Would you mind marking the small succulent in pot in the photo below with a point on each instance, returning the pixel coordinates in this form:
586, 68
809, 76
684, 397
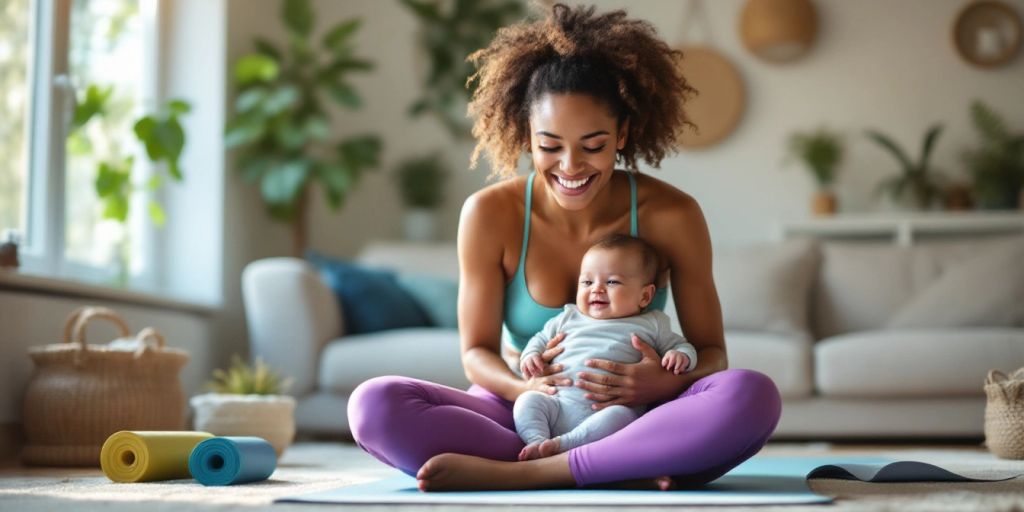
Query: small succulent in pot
247, 400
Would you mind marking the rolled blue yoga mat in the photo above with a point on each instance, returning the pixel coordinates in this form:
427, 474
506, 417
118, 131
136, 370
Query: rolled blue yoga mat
232, 460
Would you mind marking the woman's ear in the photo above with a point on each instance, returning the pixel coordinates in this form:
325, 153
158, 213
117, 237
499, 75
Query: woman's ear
647, 295
620, 141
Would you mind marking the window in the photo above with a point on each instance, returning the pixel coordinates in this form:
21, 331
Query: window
51, 52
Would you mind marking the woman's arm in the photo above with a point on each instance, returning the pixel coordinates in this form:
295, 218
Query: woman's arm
678, 231
481, 302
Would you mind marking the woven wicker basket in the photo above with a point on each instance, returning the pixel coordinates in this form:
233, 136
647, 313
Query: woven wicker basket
80, 394
1004, 414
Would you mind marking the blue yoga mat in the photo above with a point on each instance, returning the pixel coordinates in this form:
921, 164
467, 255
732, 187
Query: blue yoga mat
758, 481
232, 460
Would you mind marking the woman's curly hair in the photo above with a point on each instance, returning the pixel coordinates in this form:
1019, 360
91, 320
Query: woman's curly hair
619, 61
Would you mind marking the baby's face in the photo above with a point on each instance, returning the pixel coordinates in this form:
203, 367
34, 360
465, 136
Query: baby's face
612, 284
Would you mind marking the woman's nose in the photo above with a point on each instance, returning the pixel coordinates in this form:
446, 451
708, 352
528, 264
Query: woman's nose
569, 161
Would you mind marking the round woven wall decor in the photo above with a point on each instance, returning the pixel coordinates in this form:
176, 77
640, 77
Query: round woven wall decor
717, 107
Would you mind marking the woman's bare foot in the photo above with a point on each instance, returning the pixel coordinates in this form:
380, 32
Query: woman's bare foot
531, 451
550, 447
456, 472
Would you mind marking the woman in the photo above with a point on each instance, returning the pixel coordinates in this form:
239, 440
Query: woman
578, 91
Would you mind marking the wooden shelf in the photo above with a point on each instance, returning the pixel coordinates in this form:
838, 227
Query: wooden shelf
904, 228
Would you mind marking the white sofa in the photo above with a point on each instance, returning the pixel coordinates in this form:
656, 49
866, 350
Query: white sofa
863, 340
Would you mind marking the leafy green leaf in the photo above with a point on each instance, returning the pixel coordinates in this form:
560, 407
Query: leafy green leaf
157, 214
424, 10
887, 143
244, 133
115, 207
316, 127
290, 136
267, 48
360, 151
298, 16
179, 107
929, 144
94, 103
250, 99
280, 100
153, 182
174, 170
340, 34
282, 184
256, 68
344, 95
170, 137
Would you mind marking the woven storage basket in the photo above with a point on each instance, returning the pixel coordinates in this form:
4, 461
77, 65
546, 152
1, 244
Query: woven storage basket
1004, 414
80, 394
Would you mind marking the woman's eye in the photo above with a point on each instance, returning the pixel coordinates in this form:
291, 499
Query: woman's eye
549, 149
595, 150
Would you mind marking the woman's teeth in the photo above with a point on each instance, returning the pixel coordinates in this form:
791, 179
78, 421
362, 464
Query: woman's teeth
572, 184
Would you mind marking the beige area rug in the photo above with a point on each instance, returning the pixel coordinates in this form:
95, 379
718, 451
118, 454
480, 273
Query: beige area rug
309, 467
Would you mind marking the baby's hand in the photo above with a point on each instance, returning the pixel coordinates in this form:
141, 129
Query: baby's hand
532, 366
675, 362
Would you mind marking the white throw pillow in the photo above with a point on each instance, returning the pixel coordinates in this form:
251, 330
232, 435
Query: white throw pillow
986, 290
767, 287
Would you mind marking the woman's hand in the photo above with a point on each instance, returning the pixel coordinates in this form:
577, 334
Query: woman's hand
543, 376
631, 384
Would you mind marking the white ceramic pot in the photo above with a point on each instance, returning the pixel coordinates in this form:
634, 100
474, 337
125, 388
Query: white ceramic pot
420, 224
271, 417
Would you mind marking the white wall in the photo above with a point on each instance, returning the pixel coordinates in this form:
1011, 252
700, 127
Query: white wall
876, 63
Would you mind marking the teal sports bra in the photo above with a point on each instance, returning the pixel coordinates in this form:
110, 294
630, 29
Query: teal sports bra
524, 317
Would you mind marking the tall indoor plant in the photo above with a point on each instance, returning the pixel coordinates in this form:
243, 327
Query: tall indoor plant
421, 181
996, 165
449, 31
820, 151
282, 126
917, 185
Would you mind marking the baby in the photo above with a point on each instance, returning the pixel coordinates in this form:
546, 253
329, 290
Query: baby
616, 284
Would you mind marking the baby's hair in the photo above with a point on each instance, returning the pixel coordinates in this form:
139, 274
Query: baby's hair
620, 62
648, 255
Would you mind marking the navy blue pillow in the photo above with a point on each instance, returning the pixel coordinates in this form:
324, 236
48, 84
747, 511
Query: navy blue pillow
371, 299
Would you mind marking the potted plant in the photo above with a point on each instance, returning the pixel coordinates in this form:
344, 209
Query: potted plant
449, 31
917, 185
421, 182
247, 400
282, 126
820, 151
997, 164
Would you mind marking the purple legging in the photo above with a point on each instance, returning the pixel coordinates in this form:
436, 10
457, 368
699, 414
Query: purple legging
717, 423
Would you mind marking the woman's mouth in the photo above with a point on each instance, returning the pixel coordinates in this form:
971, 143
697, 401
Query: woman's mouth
573, 187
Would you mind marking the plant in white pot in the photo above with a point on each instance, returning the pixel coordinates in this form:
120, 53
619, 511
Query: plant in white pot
421, 182
247, 401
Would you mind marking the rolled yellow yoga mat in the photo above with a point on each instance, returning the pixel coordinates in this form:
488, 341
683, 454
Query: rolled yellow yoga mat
147, 456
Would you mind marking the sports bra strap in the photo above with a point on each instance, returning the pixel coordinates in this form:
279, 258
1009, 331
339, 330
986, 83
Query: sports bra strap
526, 223
633, 224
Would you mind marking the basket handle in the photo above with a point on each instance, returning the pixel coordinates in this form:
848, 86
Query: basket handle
995, 376
74, 328
149, 334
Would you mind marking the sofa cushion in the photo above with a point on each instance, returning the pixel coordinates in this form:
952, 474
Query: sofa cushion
371, 300
784, 358
766, 287
438, 297
437, 259
985, 290
914, 363
427, 353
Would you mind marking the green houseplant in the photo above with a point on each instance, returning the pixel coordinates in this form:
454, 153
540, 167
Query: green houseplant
421, 181
917, 185
820, 152
449, 31
163, 138
996, 165
281, 125
247, 400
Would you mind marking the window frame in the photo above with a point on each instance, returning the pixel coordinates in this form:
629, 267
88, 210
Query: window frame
50, 113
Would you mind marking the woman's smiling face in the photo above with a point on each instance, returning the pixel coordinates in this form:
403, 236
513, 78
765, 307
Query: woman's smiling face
573, 140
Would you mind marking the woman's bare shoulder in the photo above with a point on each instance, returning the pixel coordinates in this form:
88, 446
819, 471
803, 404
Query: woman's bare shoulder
495, 210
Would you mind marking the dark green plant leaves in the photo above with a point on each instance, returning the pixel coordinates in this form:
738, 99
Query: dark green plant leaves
337, 38
298, 16
282, 184
93, 103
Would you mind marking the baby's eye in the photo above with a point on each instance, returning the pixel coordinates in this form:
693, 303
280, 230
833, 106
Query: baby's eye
586, 282
613, 281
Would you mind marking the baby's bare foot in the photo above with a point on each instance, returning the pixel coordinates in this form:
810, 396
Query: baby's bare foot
531, 451
550, 447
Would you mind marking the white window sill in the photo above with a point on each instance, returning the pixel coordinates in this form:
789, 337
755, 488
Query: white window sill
18, 280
